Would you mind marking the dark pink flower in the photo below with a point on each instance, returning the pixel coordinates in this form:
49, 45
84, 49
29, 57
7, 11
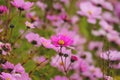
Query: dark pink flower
74, 58
61, 40
3, 9
21, 5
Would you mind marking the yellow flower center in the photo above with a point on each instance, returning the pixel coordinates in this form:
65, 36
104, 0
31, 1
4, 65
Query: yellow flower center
8, 79
61, 63
61, 42
89, 12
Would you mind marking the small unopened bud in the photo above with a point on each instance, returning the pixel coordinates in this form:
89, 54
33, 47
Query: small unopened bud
65, 55
12, 26
74, 58
60, 54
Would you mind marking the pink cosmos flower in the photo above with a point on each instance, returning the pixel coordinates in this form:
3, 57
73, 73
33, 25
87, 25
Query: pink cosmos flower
112, 55
5, 48
19, 68
7, 65
3, 9
46, 42
23, 76
95, 45
61, 40
33, 38
103, 3
60, 78
90, 11
117, 9
115, 66
108, 78
21, 5
94, 73
81, 65
6, 76
74, 58
41, 5
29, 25
107, 27
40, 59
109, 17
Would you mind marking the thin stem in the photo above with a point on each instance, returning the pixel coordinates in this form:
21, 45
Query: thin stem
11, 31
37, 66
20, 36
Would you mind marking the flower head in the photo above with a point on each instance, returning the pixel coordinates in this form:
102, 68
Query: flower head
21, 5
3, 9
33, 38
6, 76
61, 40
91, 11
73, 58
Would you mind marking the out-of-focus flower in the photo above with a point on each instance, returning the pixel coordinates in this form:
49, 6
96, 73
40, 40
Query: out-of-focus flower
19, 68
108, 78
7, 65
112, 55
74, 58
91, 11
3, 9
107, 16
107, 27
40, 59
5, 48
33, 38
93, 73
60, 78
81, 66
103, 3
61, 40
46, 43
115, 66
94, 45
29, 25
22, 5
117, 9
41, 5
6, 76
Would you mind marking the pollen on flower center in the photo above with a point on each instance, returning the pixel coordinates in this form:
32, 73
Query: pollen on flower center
8, 79
89, 12
61, 42
61, 63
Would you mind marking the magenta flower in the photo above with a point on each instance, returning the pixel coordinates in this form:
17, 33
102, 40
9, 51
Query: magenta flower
33, 38
6, 76
21, 5
91, 11
61, 40
3, 9
74, 58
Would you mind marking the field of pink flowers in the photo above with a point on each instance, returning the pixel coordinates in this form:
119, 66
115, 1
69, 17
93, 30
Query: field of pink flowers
59, 40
